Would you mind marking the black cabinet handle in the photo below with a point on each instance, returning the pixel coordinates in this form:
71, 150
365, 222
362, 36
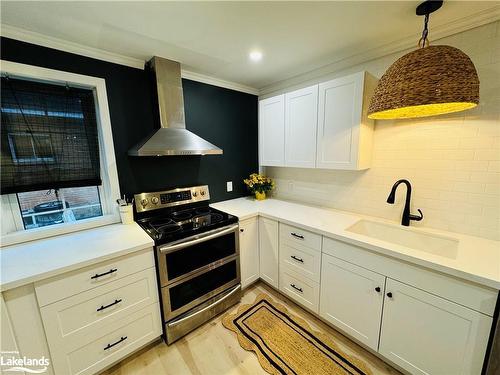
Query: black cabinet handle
103, 307
377, 289
97, 275
242, 230
297, 259
296, 288
389, 295
109, 346
297, 235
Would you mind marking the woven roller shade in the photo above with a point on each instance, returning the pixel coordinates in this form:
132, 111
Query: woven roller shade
429, 81
49, 137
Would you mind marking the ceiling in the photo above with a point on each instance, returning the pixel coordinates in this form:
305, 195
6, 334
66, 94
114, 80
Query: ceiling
215, 38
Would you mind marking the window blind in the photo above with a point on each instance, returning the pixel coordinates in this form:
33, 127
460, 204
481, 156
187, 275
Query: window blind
49, 137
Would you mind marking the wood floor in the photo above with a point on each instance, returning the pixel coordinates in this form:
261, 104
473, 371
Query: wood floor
212, 349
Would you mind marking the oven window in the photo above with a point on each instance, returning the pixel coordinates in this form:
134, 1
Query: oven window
198, 286
183, 261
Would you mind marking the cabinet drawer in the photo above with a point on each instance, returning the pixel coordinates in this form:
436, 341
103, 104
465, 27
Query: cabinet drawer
300, 236
301, 259
71, 318
71, 283
300, 289
98, 350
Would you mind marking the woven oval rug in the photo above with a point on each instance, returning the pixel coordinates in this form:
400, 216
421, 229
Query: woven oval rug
285, 343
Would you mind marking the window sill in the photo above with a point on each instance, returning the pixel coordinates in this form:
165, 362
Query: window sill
56, 230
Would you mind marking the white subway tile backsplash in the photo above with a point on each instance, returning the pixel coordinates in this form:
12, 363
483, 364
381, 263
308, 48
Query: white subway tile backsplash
492, 189
487, 154
494, 166
469, 187
452, 161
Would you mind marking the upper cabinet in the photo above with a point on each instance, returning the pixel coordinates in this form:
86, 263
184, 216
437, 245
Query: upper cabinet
344, 130
301, 119
272, 131
321, 126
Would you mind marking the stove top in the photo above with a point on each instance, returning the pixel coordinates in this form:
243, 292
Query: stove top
176, 225
178, 214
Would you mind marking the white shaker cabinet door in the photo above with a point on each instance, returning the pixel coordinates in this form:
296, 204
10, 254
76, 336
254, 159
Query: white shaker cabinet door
344, 132
426, 334
351, 299
272, 131
269, 251
249, 251
301, 120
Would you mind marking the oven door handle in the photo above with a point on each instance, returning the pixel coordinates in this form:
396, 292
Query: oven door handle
202, 238
175, 322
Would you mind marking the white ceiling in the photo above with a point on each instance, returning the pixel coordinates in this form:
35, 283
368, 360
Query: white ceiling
214, 38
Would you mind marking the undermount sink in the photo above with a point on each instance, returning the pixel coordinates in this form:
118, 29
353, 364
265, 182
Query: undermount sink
426, 242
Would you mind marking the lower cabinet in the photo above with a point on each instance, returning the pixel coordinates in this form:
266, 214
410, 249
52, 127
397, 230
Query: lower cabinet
268, 244
249, 251
426, 334
99, 314
351, 299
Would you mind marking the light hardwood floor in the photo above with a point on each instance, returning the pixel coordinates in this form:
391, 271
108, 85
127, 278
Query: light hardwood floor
212, 349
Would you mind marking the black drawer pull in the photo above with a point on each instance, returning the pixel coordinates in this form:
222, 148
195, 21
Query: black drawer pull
97, 275
297, 288
103, 307
109, 346
297, 235
389, 295
297, 259
377, 289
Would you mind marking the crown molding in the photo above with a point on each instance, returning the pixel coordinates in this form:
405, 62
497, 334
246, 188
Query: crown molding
218, 82
17, 33
438, 32
13, 32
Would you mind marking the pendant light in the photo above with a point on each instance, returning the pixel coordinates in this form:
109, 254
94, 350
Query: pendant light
432, 80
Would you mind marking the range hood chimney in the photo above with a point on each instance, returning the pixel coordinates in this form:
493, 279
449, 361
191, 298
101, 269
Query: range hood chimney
172, 138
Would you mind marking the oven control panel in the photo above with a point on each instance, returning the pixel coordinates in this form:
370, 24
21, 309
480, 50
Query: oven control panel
170, 198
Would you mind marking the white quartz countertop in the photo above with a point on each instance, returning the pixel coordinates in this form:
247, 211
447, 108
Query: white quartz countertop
477, 259
36, 260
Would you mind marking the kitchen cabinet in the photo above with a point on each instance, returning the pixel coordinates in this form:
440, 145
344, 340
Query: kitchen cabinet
301, 119
426, 334
22, 327
321, 126
344, 131
351, 299
269, 251
249, 251
97, 315
272, 131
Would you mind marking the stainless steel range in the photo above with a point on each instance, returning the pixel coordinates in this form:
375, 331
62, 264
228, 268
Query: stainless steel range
197, 255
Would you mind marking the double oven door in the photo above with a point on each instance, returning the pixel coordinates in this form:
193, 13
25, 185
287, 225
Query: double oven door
195, 269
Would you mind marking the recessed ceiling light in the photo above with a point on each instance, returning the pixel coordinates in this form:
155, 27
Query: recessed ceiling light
255, 55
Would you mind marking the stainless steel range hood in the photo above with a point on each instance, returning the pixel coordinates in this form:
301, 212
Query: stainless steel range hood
172, 138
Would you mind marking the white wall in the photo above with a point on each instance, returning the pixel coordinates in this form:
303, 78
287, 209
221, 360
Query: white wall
452, 161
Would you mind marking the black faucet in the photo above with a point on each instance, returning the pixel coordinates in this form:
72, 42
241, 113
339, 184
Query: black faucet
405, 220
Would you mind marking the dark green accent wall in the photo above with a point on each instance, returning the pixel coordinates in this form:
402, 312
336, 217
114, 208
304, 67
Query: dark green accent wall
224, 117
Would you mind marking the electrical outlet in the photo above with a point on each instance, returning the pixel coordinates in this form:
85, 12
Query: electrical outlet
229, 186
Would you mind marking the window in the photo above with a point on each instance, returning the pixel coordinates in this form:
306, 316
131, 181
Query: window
30, 148
58, 167
55, 206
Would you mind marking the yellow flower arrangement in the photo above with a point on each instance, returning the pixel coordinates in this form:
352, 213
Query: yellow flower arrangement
259, 183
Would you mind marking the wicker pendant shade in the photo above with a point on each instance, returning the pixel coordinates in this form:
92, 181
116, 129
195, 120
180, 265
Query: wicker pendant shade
427, 82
